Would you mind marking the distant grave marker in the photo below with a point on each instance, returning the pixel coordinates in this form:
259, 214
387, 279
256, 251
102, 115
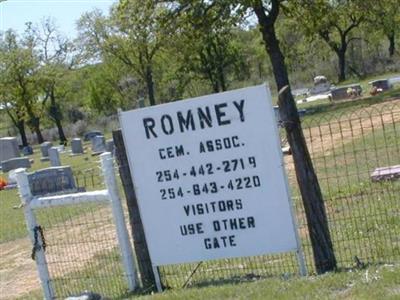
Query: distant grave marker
15, 163
52, 180
381, 84
98, 145
342, 92
88, 136
44, 148
8, 148
54, 157
386, 173
76, 146
27, 150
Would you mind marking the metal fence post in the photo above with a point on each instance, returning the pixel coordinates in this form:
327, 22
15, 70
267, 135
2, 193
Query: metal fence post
118, 215
37, 242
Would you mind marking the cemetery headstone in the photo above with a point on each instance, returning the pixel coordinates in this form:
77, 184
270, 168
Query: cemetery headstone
91, 134
381, 84
54, 156
76, 146
386, 173
44, 148
110, 146
8, 148
98, 145
27, 150
342, 92
60, 148
321, 85
15, 163
52, 180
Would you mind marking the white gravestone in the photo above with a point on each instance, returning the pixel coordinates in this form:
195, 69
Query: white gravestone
209, 177
8, 148
54, 156
76, 146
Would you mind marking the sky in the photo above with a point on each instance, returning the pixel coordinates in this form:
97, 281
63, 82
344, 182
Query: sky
15, 13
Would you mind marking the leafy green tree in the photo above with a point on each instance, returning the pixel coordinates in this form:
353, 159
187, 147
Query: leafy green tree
333, 21
20, 64
132, 34
56, 59
385, 16
110, 88
209, 48
8, 100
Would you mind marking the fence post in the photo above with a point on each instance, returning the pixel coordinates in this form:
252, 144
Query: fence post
36, 239
107, 166
139, 240
321, 242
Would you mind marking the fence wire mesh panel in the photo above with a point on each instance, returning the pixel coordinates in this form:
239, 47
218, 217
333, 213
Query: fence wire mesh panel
82, 250
356, 155
81, 244
363, 211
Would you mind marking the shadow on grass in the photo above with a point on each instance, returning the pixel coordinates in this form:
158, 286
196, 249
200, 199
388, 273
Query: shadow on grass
237, 279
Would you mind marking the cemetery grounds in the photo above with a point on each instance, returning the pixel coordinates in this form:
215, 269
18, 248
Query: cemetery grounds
347, 141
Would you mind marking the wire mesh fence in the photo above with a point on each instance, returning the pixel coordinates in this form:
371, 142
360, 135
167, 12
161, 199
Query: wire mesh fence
363, 213
81, 250
348, 150
363, 210
81, 246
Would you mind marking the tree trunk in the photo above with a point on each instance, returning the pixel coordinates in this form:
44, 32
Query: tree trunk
38, 133
276, 57
22, 133
19, 122
341, 53
56, 115
61, 134
34, 123
324, 256
150, 85
221, 77
391, 43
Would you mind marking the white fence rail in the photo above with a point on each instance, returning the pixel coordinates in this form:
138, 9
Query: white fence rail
109, 195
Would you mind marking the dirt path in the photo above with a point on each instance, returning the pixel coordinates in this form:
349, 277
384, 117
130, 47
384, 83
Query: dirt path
18, 274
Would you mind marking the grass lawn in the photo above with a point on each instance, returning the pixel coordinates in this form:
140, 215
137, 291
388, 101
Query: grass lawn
326, 109
373, 283
363, 218
86, 170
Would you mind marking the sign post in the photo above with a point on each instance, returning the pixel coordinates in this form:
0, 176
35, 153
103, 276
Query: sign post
209, 177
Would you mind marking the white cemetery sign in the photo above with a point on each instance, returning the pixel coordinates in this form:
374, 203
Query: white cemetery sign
208, 174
